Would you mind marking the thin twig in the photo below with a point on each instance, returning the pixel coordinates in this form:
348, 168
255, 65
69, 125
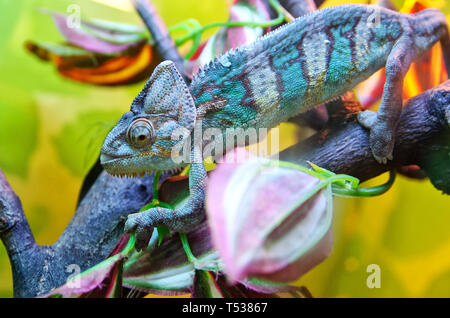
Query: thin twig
298, 8
162, 41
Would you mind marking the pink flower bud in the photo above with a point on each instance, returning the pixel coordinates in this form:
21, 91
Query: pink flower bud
268, 221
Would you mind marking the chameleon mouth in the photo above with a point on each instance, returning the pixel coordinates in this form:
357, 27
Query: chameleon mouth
106, 158
115, 166
142, 174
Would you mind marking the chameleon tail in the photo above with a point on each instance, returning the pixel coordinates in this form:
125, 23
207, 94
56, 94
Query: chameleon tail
445, 43
432, 24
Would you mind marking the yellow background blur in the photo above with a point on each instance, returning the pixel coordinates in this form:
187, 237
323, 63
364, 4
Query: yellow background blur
51, 130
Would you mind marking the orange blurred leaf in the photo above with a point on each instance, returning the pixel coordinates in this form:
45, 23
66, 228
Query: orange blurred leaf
84, 66
116, 70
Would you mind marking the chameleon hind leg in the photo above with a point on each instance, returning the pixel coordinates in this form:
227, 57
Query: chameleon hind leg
383, 124
183, 219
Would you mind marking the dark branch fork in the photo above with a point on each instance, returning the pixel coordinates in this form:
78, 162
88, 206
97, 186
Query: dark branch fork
423, 138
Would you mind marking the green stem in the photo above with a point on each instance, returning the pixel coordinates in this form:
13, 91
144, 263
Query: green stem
195, 46
197, 31
340, 182
187, 248
290, 165
366, 192
186, 25
130, 245
155, 185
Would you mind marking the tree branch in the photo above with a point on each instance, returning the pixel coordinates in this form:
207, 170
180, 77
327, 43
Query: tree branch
23, 252
298, 7
88, 239
163, 43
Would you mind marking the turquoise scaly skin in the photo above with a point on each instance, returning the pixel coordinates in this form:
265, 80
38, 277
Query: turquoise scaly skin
289, 71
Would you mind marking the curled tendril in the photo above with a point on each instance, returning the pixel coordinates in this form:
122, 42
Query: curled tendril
365, 192
342, 184
194, 29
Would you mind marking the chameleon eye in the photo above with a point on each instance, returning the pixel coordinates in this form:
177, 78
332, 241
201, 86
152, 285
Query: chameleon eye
140, 133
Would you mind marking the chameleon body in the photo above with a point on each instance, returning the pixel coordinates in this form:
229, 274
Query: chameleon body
289, 71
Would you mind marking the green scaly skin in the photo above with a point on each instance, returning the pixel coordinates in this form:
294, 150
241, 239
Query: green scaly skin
289, 71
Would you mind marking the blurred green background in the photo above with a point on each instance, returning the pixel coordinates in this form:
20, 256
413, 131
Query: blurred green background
51, 130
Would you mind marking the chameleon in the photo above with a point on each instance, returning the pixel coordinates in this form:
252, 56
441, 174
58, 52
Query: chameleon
290, 70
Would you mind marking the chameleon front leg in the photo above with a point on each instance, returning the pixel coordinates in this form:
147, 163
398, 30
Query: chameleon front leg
183, 219
382, 125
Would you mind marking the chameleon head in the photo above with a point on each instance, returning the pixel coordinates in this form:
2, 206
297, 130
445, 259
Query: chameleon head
162, 116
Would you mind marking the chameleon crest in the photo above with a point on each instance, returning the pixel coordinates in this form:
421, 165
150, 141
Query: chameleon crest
143, 137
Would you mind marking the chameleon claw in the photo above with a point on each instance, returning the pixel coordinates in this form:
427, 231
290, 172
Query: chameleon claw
380, 160
367, 118
143, 236
382, 157
130, 224
381, 137
142, 226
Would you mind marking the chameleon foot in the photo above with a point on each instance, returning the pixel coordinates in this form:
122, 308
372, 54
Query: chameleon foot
381, 136
367, 118
142, 223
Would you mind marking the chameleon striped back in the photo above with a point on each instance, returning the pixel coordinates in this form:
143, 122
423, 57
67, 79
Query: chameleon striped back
299, 65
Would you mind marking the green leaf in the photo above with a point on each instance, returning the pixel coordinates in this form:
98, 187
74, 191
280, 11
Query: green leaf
205, 286
165, 269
